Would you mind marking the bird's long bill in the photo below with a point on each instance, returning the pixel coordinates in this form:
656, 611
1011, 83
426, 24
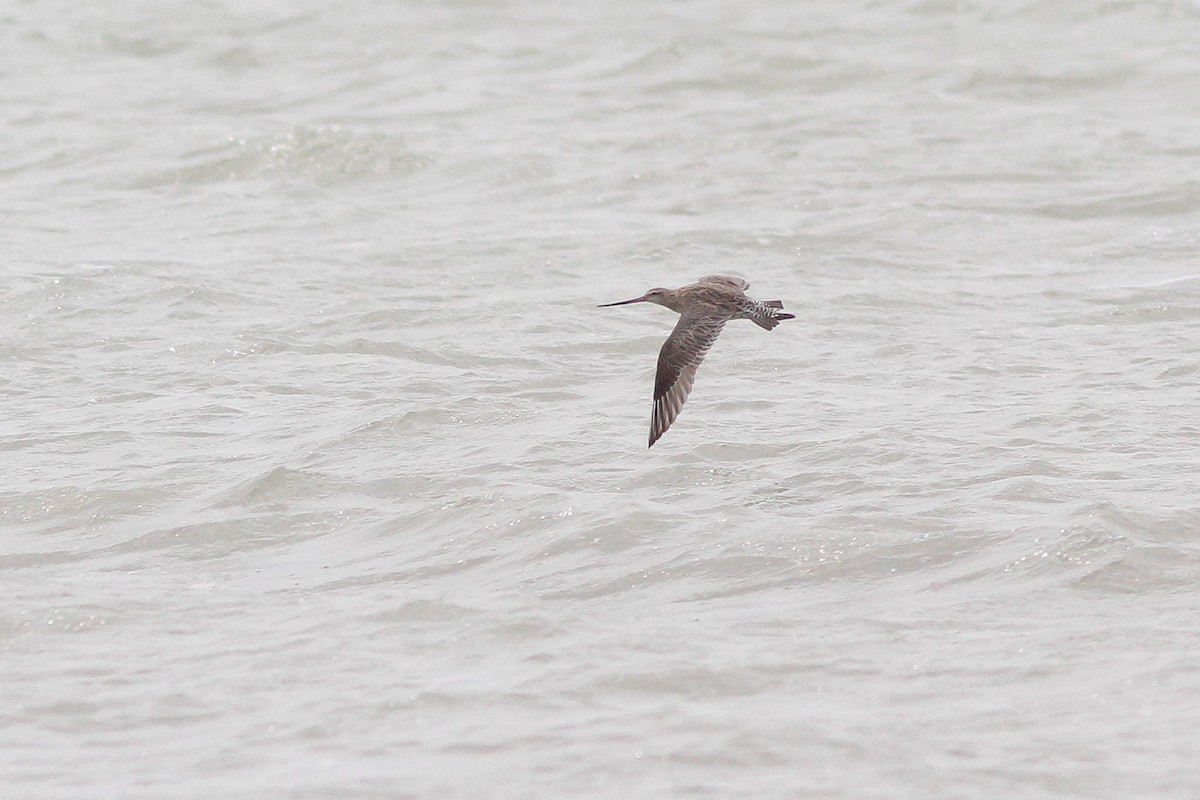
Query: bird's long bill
641, 299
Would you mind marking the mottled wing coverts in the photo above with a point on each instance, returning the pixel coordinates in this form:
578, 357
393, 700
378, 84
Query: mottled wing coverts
724, 280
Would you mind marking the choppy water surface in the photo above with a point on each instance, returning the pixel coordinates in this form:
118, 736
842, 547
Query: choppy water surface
324, 477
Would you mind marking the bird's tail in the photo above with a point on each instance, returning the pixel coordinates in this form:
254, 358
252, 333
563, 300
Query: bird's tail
769, 316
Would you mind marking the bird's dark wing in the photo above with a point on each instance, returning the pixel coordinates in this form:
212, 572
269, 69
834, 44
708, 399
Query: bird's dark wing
725, 280
681, 354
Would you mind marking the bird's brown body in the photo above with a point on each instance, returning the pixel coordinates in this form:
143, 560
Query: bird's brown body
703, 307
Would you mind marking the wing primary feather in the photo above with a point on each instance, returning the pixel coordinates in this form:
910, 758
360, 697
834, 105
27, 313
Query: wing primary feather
678, 360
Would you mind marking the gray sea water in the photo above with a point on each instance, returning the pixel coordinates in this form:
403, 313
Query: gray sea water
321, 476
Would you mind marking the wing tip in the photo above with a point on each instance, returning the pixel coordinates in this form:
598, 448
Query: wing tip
660, 421
655, 435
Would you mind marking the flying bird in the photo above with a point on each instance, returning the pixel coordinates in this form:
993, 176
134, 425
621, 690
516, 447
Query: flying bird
703, 307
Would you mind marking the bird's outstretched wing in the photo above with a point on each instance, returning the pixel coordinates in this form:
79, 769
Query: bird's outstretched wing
725, 280
681, 354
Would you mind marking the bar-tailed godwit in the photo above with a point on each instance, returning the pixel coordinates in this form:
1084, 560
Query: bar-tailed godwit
703, 307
